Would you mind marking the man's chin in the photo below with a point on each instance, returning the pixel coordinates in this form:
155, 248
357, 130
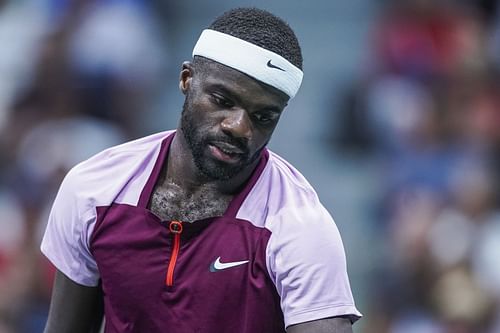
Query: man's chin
214, 164
215, 169
220, 173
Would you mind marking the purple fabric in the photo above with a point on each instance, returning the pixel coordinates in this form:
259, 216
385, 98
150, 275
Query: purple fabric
133, 247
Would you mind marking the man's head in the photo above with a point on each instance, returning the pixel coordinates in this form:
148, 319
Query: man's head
246, 67
263, 29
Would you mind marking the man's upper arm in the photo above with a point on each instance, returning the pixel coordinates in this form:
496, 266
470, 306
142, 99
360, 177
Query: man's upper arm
66, 242
327, 325
74, 308
307, 261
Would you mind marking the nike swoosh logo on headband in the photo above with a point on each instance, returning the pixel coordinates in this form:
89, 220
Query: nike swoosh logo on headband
270, 65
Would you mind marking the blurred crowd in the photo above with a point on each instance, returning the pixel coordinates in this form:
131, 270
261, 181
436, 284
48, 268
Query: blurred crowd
428, 112
78, 76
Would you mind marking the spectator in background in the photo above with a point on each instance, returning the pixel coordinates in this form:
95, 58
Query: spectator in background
69, 88
430, 109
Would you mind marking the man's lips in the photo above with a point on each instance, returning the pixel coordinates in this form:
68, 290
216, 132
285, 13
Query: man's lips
226, 152
227, 148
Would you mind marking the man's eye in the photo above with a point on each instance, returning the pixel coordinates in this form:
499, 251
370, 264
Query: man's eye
220, 100
265, 118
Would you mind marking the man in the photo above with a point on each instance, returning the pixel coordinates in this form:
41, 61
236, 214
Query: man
203, 229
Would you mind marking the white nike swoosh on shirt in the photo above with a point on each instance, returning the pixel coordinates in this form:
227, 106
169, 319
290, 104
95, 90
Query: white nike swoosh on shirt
218, 266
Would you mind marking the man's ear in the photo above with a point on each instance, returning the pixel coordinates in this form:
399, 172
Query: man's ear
186, 76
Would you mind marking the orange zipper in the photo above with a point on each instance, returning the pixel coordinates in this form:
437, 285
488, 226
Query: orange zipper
176, 230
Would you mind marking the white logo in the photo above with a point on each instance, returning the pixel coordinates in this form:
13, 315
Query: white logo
218, 266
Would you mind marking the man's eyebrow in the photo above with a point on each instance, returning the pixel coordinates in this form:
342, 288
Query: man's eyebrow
234, 96
223, 89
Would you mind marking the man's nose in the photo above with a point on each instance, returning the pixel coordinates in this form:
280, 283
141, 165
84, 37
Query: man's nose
237, 124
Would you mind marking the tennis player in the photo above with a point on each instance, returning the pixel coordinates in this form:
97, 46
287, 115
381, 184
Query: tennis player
202, 228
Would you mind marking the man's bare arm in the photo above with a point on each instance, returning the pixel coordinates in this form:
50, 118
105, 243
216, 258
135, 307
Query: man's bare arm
74, 308
327, 325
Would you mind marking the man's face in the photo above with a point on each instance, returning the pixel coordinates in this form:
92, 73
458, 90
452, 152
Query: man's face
227, 118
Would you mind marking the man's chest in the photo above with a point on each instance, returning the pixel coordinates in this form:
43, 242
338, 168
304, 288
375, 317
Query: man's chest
172, 203
214, 265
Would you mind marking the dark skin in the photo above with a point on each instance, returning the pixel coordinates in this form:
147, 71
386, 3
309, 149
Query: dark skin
74, 308
223, 103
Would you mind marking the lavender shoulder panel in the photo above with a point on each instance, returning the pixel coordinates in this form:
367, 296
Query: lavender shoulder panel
97, 181
305, 255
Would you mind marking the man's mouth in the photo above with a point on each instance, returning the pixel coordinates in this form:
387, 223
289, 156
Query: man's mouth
228, 148
225, 151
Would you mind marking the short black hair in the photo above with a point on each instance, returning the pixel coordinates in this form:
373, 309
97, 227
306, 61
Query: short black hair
261, 28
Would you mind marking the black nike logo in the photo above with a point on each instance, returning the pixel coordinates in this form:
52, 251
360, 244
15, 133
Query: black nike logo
274, 66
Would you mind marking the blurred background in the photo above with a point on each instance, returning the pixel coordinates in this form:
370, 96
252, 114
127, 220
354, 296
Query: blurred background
397, 126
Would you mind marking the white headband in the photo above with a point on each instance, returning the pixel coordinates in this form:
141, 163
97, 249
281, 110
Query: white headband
253, 60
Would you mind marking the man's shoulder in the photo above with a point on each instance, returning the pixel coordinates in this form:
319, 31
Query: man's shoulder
104, 175
280, 190
122, 155
144, 144
290, 193
289, 177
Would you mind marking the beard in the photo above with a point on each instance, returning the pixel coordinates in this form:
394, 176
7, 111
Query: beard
199, 139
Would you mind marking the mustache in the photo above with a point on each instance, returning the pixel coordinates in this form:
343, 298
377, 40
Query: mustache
240, 143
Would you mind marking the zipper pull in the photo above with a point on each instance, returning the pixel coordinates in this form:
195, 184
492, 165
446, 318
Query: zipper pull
175, 228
